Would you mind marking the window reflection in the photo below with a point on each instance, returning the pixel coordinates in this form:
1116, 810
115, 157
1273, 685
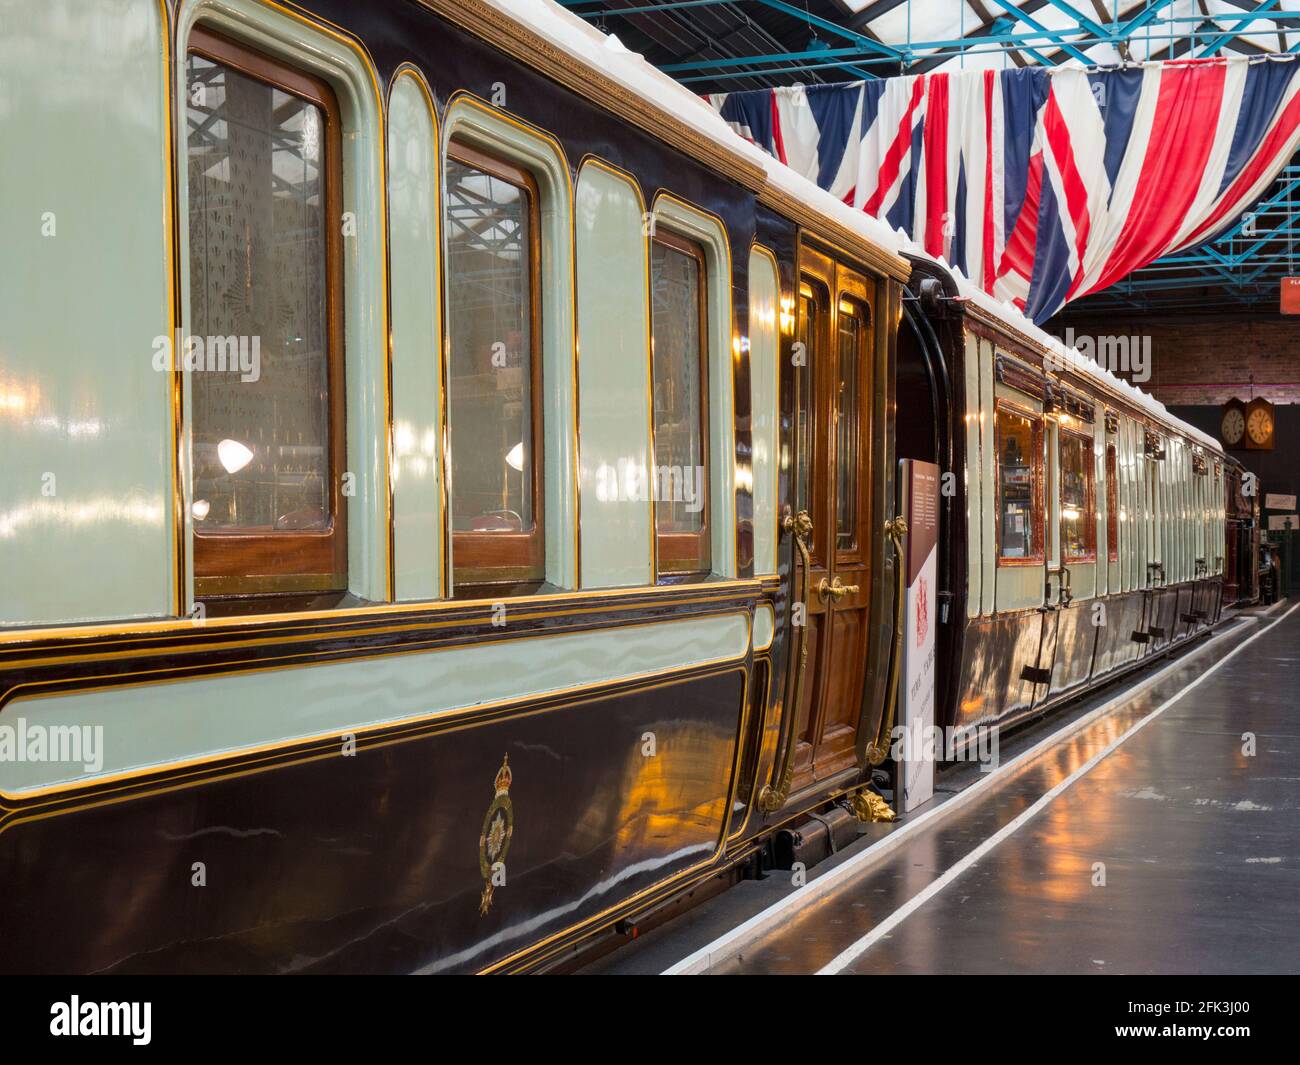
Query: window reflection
1019, 452
1112, 504
1076, 496
847, 429
678, 315
810, 324
258, 314
491, 393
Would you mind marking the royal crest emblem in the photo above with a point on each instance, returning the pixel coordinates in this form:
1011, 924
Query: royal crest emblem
494, 841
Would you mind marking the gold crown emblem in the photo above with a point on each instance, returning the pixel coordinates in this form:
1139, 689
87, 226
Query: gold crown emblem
504, 776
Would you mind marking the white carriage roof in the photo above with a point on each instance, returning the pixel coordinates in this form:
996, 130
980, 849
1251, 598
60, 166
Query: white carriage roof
606, 53
1070, 357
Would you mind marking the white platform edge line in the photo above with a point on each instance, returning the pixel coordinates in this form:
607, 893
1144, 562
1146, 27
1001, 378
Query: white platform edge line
846, 957
702, 959
1272, 609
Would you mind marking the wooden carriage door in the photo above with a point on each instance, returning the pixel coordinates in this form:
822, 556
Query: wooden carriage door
833, 483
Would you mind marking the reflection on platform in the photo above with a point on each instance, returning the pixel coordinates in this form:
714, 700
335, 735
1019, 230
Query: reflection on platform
1176, 853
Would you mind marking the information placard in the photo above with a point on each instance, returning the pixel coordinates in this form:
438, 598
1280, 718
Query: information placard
920, 481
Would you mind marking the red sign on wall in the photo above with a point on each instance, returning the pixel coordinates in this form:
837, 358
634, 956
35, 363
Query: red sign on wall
1291, 295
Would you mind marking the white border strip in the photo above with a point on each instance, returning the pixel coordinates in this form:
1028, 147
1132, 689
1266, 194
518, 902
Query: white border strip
704, 958
846, 958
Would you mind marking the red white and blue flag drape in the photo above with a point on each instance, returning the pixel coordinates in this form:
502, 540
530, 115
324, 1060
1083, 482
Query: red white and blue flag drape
1042, 185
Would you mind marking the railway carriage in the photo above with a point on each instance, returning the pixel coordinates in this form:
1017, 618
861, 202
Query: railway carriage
1242, 535
1086, 531
449, 500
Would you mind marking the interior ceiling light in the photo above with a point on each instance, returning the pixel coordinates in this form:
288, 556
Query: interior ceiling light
234, 456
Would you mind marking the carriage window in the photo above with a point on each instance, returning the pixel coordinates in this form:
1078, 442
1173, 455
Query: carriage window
812, 301
494, 390
1078, 525
1112, 505
851, 326
265, 347
1019, 442
679, 320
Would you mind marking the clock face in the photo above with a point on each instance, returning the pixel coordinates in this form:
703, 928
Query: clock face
1259, 425
1233, 426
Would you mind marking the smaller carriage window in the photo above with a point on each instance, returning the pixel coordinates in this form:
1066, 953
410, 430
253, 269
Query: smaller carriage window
494, 412
813, 301
1112, 504
809, 323
1078, 525
852, 331
679, 320
1019, 442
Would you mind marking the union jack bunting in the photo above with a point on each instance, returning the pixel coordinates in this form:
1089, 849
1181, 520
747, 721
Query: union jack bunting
1041, 185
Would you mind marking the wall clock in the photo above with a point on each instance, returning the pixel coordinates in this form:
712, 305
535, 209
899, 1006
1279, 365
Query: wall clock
1259, 424
1232, 422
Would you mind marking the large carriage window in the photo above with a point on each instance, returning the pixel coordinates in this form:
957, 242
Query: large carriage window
265, 349
679, 319
495, 370
1078, 525
1112, 505
1019, 441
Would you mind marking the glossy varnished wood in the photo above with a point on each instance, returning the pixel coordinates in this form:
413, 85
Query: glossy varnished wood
834, 294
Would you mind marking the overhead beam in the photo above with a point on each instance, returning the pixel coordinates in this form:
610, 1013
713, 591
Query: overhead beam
869, 43
1079, 17
1218, 42
774, 57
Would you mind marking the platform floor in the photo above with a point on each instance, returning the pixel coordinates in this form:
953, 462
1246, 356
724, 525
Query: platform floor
1197, 842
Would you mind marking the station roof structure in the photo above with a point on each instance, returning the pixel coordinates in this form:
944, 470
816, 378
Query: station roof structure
730, 45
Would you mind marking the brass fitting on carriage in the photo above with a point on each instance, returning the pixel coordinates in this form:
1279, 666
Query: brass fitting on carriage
896, 529
869, 807
836, 590
878, 750
773, 795
800, 525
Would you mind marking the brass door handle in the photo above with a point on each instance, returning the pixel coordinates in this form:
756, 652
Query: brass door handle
772, 796
835, 590
878, 749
